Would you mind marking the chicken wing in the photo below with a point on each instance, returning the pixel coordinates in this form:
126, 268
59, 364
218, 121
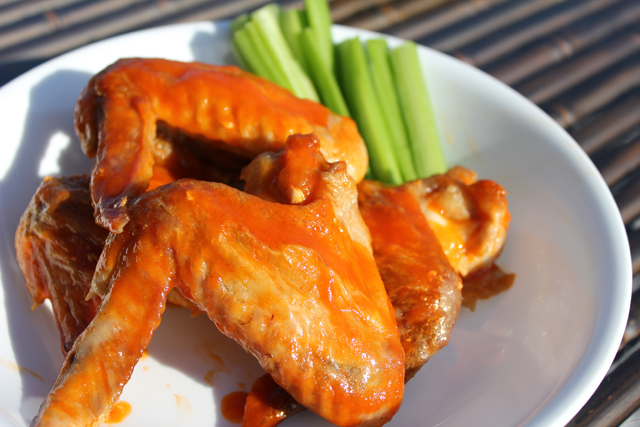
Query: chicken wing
294, 283
410, 225
470, 217
424, 289
226, 110
58, 245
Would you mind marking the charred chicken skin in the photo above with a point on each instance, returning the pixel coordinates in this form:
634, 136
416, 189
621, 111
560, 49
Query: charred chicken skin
223, 109
293, 281
58, 245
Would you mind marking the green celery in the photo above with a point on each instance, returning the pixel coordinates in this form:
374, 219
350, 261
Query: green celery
356, 83
319, 19
417, 110
239, 22
388, 100
321, 75
247, 42
239, 55
287, 68
292, 23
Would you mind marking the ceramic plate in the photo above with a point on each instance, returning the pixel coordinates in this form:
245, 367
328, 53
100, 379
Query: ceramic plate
530, 356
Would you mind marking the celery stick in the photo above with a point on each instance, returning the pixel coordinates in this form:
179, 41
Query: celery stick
319, 18
292, 24
321, 75
356, 83
266, 61
239, 22
277, 48
417, 111
248, 44
387, 98
239, 55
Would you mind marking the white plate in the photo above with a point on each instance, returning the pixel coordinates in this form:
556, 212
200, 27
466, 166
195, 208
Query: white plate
530, 356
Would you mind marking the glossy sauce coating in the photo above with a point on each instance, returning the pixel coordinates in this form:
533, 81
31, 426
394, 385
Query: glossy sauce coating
220, 106
119, 413
470, 217
409, 226
424, 289
232, 406
58, 245
286, 281
484, 284
268, 404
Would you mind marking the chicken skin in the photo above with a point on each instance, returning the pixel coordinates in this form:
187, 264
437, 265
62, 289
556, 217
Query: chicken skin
470, 217
223, 110
424, 289
410, 226
293, 282
58, 245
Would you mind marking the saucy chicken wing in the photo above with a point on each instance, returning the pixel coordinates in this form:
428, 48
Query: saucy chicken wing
293, 282
410, 225
470, 217
58, 245
224, 110
424, 289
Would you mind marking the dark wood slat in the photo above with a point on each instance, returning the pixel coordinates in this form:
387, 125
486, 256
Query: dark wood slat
596, 93
391, 13
54, 21
626, 193
632, 331
525, 31
138, 16
552, 83
343, 9
609, 124
6, 2
620, 162
566, 43
495, 19
214, 11
634, 242
422, 25
17, 11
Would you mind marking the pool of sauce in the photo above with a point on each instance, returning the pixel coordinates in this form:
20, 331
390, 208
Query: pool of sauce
232, 406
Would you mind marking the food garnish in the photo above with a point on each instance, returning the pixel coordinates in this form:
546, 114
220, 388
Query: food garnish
383, 89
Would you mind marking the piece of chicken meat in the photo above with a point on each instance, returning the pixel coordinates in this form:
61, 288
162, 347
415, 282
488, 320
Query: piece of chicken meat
223, 110
410, 225
293, 282
58, 245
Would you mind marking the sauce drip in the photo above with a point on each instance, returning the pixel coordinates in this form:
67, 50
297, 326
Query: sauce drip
120, 411
232, 406
484, 284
